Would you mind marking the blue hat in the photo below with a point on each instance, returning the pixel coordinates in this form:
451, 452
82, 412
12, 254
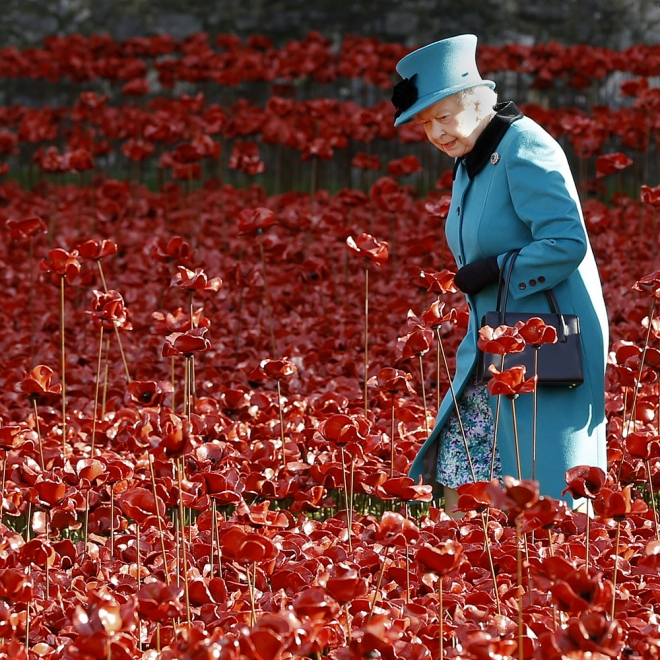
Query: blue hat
434, 72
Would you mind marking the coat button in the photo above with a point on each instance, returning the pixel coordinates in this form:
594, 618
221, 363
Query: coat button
541, 279
460, 261
458, 210
522, 286
532, 283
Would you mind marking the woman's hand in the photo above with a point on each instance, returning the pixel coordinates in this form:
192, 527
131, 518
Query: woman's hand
473, 277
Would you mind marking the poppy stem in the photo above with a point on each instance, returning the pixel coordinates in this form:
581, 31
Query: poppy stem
105, 377
173, 381
268, 301
491, 563
421, 373
346, 499
456, 407
39, 439
515, 435
437, 372
4, 478
112, 520
366, 339
152, 474
279, 406
550, 546
407, 572
137, 553
348, 623
31, 302
496, 423
655, 513
638, 384
183, 539
253, 609
440, 619
520, 589
586, 539
380, 581
96, 393
63, 356
536, 370
392, 432
616, 567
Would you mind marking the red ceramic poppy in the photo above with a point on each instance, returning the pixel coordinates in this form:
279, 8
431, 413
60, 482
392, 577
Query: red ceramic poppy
442, 558
440, 282
392, 380
617, 504
365, 161
26, 228
649, 284
650, 196
435, 315
37, 383
255, 220
511, 382
502, 340
108, 310
369, 248
584, 481
186, 343
95, 250
402, 166
276, 369
536, 332
61, 263
196, 280
611, 163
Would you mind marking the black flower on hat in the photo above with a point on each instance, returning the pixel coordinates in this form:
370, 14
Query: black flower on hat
404, 95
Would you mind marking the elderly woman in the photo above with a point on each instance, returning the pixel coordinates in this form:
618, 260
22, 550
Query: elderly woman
512, 189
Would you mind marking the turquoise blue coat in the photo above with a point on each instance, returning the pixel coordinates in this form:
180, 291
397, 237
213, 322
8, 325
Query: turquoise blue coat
515, 190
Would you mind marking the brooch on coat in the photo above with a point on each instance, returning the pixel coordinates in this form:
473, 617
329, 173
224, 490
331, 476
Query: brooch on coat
494, 158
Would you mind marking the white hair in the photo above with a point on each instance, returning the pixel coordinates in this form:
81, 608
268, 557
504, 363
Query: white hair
481, 96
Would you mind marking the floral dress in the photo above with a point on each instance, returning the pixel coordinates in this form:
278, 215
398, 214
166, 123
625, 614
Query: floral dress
453, 466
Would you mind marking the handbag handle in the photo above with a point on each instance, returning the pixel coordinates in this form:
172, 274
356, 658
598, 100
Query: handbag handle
503, 294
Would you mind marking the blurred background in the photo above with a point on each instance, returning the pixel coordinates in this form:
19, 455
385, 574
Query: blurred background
611, 23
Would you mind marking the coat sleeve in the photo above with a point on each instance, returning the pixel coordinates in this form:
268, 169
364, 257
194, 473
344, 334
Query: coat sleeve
545, 198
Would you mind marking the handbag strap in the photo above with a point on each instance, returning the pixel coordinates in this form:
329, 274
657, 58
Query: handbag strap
503, 294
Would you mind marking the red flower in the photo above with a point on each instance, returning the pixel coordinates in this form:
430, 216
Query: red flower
473, 497
139, 504
317, 148
441, 282
611, 163
394, 529
96, 250
186, 343
515, 496
365, 161
37, 382
617, 504
441, 558
61, 263
194, 281
650, 196
157, 601
369, 248
245, 158
276, 369
344, 584
536, 332
79, 160
415, 343
649, 284
392, 380
502, 340
510, 382
27, 227
402, 166
137, 149
144, 392
176, 250
434, 316
439, 208
109, 311
255, 220
388, 195
584, 481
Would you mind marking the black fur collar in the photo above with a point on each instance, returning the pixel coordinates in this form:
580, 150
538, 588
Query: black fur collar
479, 156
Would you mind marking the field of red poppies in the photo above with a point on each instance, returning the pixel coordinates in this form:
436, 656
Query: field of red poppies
227, 318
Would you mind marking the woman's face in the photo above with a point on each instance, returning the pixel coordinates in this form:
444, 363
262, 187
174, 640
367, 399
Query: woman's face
451, 127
